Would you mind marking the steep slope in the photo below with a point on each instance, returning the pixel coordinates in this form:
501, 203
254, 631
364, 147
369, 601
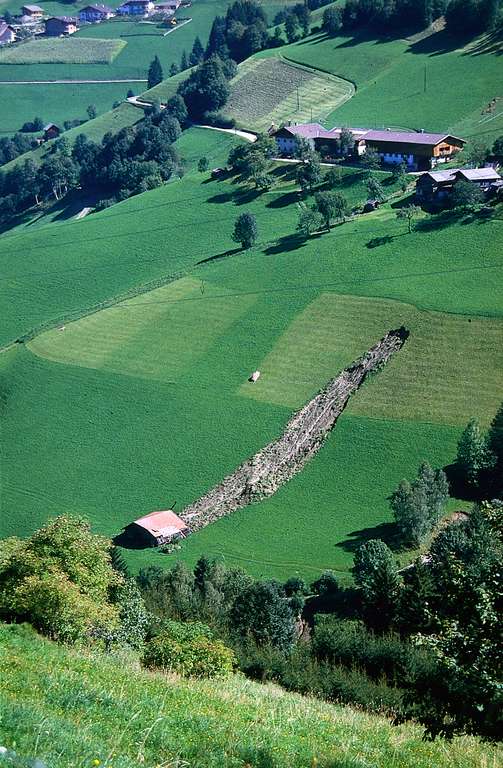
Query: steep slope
74, 709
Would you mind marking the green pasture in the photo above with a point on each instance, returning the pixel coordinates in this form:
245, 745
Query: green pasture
269, 90
60, 102
146, 403
94, 708
61, 50
412, 85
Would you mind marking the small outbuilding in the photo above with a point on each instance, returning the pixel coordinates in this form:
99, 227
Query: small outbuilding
158, 528
51, 131
7, 34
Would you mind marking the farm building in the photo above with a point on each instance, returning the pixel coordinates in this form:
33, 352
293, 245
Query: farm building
51, 131
315, 134
157, 528
33, 11
7, 34
167, 7
61, 25
136, 8
92, 13
437, 185
419, 151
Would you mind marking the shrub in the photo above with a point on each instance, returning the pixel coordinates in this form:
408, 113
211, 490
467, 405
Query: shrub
60, 580
189, 650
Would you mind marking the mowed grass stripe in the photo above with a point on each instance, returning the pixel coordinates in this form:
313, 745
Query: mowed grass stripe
451, 367
68, 50
152, 336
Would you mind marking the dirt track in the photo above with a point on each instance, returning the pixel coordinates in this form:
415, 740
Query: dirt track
274, 465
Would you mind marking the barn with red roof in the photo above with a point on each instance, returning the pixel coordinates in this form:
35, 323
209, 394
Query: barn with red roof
158, 528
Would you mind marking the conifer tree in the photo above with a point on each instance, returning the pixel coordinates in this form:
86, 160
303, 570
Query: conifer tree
197, 53
155, 73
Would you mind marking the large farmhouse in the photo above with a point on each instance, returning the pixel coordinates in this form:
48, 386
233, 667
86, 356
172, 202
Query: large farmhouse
418, 150
315, 134
157, 528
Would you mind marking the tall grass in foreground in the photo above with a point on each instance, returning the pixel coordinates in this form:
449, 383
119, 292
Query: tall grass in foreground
73, 708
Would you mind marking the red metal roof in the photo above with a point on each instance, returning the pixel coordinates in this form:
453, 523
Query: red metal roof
163, 523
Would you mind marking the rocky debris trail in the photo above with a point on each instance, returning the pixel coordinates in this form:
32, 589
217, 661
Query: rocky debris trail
266, 471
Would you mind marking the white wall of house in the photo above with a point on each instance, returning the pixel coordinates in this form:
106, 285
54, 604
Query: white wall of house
286, 146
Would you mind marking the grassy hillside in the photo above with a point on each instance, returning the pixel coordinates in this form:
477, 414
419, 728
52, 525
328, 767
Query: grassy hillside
72, 709
412, 85
146, 402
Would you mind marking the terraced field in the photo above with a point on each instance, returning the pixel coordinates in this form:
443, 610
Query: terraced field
70, 50
270, 90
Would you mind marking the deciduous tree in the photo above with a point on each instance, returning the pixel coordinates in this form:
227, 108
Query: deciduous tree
245, 230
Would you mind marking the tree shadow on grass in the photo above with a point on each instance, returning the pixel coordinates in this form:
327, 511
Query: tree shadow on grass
387, 532
439, 43
284, 200
290, 243
218, 256
378, 241
237, 196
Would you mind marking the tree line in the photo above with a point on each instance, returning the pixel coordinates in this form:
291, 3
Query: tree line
134, 160
463, 17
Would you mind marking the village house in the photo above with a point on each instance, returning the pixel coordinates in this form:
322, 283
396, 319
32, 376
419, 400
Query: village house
418, 150
437, 185
157, 528
33, 11
136, 8
51, 131
94, 13
167, 7
61, 25
315, 135
7, 34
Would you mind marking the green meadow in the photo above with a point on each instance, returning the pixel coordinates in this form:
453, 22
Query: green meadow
78, 708
144, 401
61, 102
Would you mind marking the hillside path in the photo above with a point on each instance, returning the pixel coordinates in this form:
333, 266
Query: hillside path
244, 134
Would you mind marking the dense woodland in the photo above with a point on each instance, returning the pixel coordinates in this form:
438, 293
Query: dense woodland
423, 642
